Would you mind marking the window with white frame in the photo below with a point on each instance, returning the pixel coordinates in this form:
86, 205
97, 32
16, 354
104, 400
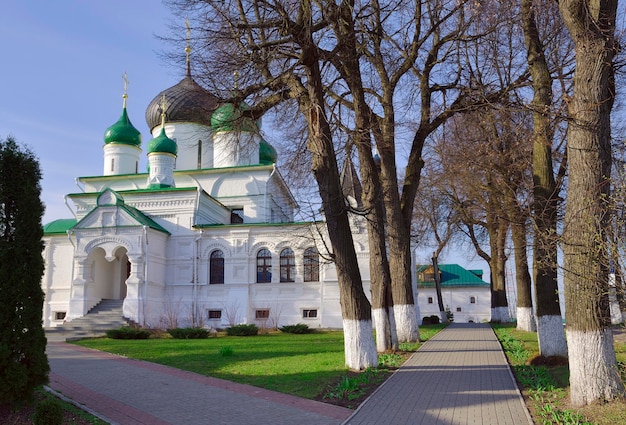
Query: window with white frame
311, 265
214, 314
59, 315
263, 313
264, 266
430, 300
287, 265
309, 313
216, 267
472, 300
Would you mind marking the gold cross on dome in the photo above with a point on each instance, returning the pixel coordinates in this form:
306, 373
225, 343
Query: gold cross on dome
125, 95
163, 106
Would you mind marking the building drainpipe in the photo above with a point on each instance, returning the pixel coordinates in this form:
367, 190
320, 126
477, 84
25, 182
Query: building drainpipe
69, 237
195, 277
268, 216
145, 276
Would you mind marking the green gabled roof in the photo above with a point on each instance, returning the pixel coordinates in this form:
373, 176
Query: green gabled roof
136, 214
143, 219
58, 227
452, 275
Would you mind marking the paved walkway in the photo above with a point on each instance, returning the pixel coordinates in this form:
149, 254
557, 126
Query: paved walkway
458, 377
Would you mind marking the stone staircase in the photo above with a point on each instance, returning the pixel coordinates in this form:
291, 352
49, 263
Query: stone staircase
105, 315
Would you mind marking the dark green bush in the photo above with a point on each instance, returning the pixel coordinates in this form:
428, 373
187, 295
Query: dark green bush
189, 333
126, 332
299, 328
48, 411
434, 320
242, 330
426, 320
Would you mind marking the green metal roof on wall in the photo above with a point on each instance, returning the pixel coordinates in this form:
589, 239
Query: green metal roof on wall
229, 118
452, 275
123, 132
58, 227
267, 153
162, 144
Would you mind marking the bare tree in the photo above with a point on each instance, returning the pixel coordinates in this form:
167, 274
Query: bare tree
550, 334
594, 374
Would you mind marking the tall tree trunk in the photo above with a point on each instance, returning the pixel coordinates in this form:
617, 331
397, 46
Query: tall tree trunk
525, 315
550, 333
442, 311
405, 312
380, 276
497, 265
360, 349
594, 374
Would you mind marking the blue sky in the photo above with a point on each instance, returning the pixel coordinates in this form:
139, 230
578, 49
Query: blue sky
61, 83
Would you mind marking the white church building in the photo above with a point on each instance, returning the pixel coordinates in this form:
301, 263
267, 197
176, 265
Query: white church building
206, 237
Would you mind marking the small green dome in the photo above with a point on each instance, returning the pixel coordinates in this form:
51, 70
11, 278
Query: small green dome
162, 144
123, 132
228, 118
267, 153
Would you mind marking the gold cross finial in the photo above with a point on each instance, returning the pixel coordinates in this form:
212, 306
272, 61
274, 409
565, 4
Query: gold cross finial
125, 95
163, 106
188, 46
236, 80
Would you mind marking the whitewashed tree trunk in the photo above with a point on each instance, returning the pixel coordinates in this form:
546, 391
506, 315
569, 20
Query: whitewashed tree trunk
526, 319
381, 325
591, 354
407, 326
360, 352
500, 314
551, 336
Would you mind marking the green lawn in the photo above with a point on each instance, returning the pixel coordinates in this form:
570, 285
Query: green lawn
302, 365
546, 388
297, 364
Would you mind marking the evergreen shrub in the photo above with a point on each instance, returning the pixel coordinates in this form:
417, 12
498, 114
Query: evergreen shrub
242, 330
127, 332
189, 333
23, 360
48, 411
298, 328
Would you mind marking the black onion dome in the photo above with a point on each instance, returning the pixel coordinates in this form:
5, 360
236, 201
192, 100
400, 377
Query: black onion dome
187, 101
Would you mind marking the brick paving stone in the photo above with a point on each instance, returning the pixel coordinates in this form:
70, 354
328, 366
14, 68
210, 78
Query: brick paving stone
458, 377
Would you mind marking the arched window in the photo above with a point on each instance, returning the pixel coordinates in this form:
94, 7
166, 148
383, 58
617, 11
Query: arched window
216, 267
263, 266
287, 265
311, 265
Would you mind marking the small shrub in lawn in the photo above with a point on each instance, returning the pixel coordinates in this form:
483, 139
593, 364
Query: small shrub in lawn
189, 333
48, 411
226, 351
299, 328
390, 360
434, 320
126, 332
242, 330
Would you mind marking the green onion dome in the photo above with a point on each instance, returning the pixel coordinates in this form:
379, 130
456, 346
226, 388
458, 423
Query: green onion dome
123, 132
162, 144
267, 153
229, 118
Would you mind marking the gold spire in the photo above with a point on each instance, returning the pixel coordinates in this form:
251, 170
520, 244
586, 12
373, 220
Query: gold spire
188, 47
236, 80
125, 95
163, 106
